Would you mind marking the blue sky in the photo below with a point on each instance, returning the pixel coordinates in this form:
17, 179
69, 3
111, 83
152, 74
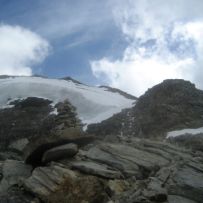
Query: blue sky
128, 44
72, 46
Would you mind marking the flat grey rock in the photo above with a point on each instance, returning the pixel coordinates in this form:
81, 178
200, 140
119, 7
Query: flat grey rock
14, 172
187, 182
125, 158
93, 168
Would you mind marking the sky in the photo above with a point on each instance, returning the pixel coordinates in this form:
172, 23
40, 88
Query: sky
128, 44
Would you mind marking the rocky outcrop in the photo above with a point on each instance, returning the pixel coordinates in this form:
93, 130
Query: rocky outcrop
33, 118
117, 187
31, 126
178, 183
24, 120
167, 106
155, 171
111, 89
112, 128
138, 170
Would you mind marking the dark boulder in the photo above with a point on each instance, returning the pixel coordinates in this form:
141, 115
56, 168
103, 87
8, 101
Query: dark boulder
60, 152
35, 150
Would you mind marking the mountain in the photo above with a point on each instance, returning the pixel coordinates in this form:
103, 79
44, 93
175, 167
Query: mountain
64, 141
173, 104
170, 105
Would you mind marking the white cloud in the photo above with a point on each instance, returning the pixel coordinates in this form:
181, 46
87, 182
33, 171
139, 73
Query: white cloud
136, 75
20, 49
63, 18
165, 41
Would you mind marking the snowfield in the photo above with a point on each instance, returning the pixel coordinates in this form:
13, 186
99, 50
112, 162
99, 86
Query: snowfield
93, 104
190, 131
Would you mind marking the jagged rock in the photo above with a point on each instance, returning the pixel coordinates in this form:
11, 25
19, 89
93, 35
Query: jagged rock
161, 168
19, 145
10, 155
111, 89
13, 172
155, 191
46, 180
32, 118
117, 187
181, 180
60, 152
110, 128
179, 199
98, 169
27, 118
16, 194
57, 184
141, 171
187, 181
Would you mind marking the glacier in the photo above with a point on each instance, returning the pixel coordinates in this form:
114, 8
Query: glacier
93, 104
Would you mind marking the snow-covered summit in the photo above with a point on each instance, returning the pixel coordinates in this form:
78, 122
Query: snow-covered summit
92, 104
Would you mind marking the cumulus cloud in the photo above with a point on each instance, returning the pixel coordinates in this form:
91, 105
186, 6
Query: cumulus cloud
20, 49
164, 41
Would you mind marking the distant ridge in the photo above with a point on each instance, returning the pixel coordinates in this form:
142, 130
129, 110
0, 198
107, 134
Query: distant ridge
112, 89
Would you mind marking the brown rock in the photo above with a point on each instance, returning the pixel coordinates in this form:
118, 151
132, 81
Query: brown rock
57, 184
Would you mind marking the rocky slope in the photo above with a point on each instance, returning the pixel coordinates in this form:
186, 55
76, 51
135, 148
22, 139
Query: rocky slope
171, 105
137, 171
47, 157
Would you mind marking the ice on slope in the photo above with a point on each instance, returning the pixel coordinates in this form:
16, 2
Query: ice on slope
93, 104
190, 131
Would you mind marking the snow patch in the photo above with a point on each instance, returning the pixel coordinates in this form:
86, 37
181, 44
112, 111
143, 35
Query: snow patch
190, 131
93, 104
55, 111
